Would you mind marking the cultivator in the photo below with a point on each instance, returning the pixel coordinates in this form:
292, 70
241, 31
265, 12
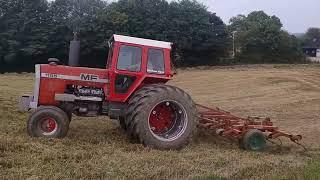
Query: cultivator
252, 132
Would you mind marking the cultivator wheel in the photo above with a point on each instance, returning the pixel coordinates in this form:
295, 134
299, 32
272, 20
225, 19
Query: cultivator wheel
48, 121
253, 140
161, 116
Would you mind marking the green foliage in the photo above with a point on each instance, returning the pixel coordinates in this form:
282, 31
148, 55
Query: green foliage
200, 37
312, 38
260, 39
23, 31
31, 31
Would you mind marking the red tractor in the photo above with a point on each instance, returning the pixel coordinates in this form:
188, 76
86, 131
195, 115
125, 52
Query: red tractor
131, 89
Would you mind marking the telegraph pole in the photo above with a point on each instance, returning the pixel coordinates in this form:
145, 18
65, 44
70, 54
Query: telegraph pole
234, 43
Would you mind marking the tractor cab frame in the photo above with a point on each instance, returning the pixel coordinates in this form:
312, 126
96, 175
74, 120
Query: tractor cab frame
135, 62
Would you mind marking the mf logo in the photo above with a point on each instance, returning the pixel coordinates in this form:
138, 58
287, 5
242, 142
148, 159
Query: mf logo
88, 77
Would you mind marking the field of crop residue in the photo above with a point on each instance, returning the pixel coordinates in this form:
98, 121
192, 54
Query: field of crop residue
96, 148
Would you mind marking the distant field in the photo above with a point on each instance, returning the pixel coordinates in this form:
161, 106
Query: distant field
97, 148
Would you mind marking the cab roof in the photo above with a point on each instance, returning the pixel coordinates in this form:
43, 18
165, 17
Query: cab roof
141, 41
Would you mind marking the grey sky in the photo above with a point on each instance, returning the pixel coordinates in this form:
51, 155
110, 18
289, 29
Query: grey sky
296, 15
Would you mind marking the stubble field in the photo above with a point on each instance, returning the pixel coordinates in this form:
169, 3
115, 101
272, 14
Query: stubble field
97, 148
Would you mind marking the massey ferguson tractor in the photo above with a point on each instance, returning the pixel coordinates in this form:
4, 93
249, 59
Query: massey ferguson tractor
132, 89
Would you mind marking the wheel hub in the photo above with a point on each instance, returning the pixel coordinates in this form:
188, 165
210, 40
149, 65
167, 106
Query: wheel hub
48, 125
162, 119
167, 120
256, 142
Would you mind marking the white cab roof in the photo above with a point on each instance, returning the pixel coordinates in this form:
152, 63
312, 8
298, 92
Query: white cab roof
141, 41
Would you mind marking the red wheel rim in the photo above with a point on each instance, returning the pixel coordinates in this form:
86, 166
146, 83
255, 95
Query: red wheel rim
162, 118
167, 120
48, 125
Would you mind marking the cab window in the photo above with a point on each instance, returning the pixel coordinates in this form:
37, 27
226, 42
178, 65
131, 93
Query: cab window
155, 61
129, 58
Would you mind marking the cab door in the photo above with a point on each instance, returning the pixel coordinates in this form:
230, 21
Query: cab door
127, 74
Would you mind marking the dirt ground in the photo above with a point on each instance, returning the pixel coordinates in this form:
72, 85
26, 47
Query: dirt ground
97, 148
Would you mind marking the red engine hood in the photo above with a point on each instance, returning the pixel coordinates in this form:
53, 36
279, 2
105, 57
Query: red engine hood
89, 75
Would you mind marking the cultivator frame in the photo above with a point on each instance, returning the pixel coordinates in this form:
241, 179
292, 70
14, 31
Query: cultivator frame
227, 125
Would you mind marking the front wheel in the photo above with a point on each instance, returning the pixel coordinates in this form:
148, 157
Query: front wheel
49, 122
162, 117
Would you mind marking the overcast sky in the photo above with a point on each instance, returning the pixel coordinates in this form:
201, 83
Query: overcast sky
296, 15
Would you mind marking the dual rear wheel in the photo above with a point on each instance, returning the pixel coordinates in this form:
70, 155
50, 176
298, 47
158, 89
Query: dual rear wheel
161, 117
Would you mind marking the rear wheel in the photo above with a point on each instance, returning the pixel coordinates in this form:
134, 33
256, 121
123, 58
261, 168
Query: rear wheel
161, 116
48, 121
122, 123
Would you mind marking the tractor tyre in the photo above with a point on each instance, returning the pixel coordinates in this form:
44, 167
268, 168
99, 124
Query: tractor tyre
49, 122
122, 123
253, 140
162, 117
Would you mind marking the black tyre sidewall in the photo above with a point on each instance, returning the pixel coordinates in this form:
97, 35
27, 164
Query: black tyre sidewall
145, 134
122, 123
57, 114
246, 144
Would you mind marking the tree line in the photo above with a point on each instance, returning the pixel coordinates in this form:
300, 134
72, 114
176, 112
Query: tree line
31, 31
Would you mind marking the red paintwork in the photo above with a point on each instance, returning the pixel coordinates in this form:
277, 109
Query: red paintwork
228, 125
142, 77
48, 124
49, 87
161, 118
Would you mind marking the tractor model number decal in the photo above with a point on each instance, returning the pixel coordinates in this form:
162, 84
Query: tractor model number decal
48, 75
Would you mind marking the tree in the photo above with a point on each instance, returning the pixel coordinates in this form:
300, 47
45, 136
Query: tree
312, 38
200, 37
68, 16
260, 39
23, 31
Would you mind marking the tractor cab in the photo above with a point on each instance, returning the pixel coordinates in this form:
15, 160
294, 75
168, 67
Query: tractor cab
133, 62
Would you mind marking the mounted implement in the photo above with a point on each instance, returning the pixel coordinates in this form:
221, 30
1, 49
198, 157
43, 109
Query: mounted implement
252, 132
132, 89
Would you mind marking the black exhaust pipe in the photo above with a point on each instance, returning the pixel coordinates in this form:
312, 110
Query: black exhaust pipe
74, 51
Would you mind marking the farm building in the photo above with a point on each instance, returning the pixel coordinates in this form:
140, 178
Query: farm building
312, 51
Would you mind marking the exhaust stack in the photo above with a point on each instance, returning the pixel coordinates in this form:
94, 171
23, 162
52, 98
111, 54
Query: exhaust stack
74, 51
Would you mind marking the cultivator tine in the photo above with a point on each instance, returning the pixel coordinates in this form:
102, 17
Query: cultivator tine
228, 125
299, 144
